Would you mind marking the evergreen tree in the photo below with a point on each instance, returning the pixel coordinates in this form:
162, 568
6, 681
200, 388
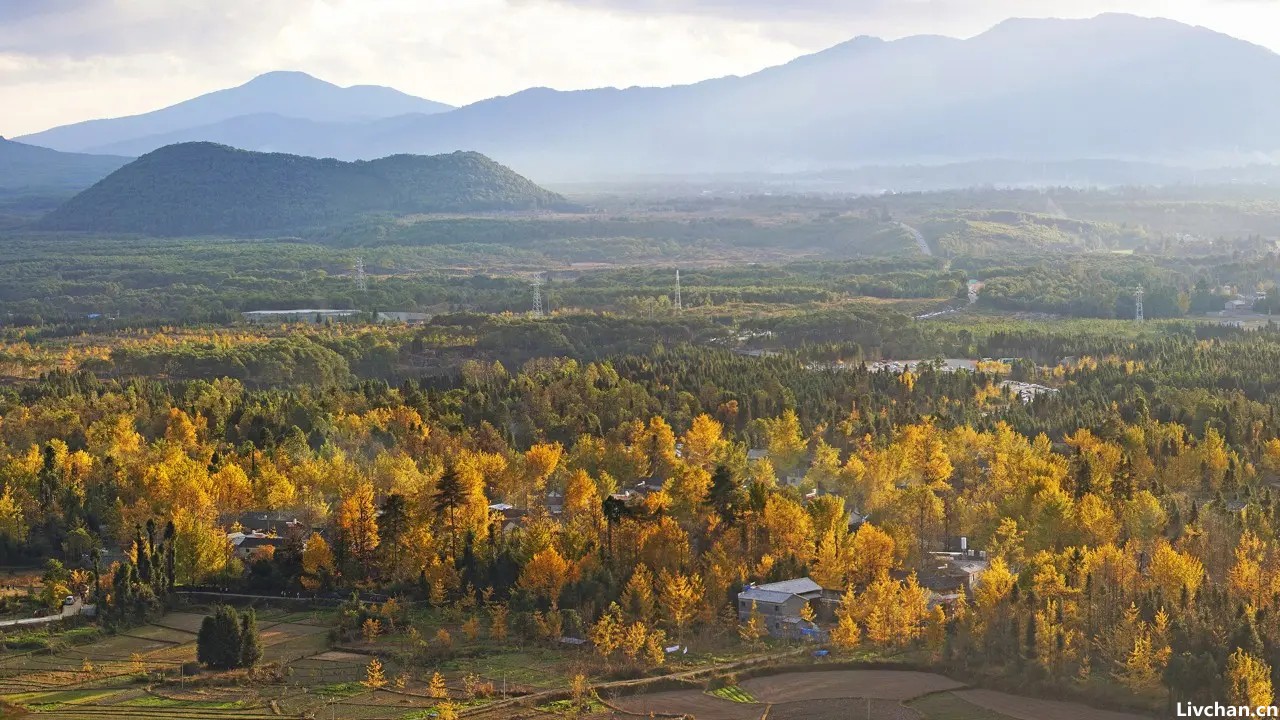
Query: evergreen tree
218, 644
250, 640
170, 555
450, 494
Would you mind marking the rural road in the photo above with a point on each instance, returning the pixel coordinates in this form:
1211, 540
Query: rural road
295, 597
67, 611
919, 238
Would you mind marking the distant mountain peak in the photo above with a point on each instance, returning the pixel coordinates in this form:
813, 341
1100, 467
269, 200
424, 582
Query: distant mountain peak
287, 77
288, 94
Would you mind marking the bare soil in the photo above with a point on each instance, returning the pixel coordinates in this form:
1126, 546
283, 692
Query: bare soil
837, 684
690, 702
1023, 708
843, 709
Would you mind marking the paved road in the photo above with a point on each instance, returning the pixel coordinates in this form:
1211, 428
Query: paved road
919, 238
67, 611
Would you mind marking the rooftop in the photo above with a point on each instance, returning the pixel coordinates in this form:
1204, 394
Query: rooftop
780, 591
307, 311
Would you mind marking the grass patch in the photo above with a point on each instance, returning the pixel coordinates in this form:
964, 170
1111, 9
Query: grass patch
947, 706
534, 667
341, 690
54, 699
45, 640
733, 693
571, 706
164, 702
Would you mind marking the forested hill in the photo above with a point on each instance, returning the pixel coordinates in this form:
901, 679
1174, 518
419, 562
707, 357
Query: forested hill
27, 167
203, 188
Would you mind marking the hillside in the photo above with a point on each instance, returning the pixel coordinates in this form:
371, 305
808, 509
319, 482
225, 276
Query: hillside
293, 97
27, 168
203, 188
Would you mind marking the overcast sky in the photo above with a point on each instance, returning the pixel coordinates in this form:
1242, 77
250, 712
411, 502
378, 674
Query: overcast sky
67, 60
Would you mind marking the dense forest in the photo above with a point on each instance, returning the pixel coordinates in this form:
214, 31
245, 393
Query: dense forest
1128, 515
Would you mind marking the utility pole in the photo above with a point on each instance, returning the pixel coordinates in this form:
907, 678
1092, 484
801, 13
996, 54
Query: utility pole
1137, 304
679, 301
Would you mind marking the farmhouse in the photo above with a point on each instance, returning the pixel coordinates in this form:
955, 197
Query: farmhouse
780, 604
263, 521
247, 546
512, 517
954, 574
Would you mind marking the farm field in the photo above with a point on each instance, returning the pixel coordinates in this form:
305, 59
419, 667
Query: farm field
138, 673
116, 677
1024, 708
693, 702
857, 695
874, 684
842, 709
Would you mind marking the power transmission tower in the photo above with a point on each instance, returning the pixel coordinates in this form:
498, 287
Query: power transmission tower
679, 301
361, 284
1137, 304
537, 298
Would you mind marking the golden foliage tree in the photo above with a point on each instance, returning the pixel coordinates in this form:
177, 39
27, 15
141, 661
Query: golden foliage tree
357, 522
680, 598
753, 629
1248, 680
545, 574
436, 687
373, 675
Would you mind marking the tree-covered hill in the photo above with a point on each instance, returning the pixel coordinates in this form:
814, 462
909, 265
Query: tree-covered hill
203, 188
28, 168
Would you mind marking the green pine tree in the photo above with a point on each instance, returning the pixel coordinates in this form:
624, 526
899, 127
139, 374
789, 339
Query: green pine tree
218, 643
250, 640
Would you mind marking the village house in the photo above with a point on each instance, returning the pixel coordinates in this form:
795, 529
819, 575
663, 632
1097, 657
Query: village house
780, 604
955, 573
513, 518
250, 546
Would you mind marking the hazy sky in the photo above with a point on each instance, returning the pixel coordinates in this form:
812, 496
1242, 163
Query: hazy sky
68, 60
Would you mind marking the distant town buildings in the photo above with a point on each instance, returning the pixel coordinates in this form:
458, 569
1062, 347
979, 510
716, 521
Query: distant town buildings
287, 317
407, 318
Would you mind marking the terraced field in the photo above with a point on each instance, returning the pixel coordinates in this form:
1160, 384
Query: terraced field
109, 678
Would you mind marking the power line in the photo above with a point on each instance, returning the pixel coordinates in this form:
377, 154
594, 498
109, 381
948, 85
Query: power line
537, 298
361, 283
1137, 304
679, 301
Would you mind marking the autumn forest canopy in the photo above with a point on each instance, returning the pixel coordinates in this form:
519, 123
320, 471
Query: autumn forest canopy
823, 399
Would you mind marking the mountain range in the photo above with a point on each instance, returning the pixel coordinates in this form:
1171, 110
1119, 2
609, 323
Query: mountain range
247, 113
1114, 87
203, 188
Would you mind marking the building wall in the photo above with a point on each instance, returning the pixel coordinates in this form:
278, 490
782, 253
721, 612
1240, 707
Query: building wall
773, 613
